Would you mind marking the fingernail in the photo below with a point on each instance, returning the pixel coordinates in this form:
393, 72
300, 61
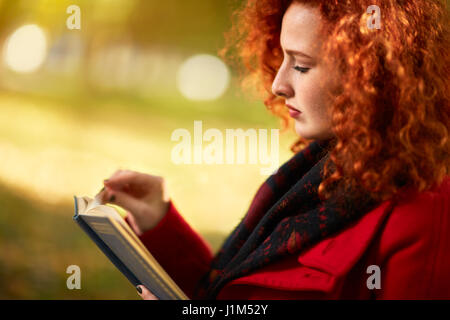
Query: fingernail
138, 288
112, 198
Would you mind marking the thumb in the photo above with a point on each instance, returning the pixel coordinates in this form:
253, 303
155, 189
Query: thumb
136, 228
145, 293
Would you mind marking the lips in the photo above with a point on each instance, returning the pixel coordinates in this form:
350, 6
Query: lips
292, 108
293, 112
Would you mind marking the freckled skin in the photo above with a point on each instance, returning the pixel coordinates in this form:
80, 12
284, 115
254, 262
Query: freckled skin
306, 92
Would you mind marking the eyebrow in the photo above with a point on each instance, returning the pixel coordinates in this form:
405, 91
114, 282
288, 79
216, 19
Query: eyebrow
298, 53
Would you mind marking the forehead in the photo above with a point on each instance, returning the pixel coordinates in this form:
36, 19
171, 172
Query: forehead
300, 28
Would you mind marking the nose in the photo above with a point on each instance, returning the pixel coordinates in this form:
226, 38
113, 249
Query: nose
281, 86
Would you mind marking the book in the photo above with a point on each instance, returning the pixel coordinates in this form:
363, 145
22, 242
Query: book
115, 238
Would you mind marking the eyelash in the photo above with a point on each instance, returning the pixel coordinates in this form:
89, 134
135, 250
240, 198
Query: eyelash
302, 70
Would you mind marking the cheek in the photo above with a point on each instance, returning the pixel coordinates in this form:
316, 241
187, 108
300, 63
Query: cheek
312, 97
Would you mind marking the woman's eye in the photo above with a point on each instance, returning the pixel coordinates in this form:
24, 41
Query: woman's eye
302, 70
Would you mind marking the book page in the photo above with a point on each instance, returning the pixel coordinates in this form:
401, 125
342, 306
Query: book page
81, 204
141, 263
114, 215
95, 207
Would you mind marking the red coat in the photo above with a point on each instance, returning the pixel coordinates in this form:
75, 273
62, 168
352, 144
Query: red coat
411, 246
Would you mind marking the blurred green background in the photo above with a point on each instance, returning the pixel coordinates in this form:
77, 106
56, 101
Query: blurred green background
78, 104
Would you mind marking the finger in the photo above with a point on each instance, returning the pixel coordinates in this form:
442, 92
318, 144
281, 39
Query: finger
121, 178
145, 293
124, 200
133, 224
101, 191
115, 174
102, 195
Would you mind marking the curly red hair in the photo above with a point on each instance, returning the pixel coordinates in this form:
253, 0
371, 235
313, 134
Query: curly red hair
391, 113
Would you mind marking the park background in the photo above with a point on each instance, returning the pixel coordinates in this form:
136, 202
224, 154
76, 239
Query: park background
78, 104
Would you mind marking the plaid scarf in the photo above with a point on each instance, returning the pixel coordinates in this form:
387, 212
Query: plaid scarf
285, 217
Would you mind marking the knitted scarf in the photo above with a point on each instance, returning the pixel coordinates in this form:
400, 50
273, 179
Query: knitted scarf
285, 217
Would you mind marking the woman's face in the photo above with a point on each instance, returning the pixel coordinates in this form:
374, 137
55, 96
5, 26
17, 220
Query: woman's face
303, 80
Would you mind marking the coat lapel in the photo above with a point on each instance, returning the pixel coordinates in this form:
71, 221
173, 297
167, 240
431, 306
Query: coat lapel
336, 255
320, 267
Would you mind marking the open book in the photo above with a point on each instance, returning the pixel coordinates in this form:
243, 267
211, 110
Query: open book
119, 243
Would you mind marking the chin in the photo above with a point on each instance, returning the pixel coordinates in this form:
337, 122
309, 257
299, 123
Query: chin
300, 130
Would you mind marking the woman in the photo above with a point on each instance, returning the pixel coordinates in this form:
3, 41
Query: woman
362, 210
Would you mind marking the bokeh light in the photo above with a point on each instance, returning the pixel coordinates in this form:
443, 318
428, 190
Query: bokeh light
26, 49
203, 77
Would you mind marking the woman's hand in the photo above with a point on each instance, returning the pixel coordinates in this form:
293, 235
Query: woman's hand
144, 197
145, 293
